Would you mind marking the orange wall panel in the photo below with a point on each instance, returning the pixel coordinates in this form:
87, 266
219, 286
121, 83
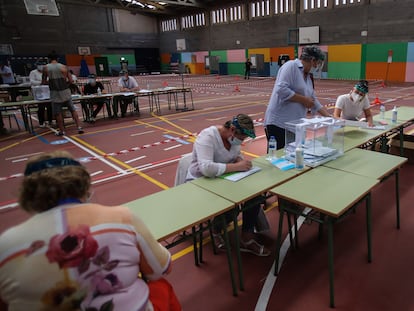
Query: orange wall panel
165, 58
345, 53
75, 59
275, 52
395, 72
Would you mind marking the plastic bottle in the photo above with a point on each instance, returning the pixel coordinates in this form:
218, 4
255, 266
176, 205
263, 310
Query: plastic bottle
299, 159
99, 91
394, 115
271, 152
382, 112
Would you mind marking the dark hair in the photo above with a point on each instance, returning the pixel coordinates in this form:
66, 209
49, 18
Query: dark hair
312, 52
53, 56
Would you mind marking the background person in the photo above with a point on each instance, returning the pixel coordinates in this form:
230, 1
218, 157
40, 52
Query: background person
57, 76
92, 88
126, 83
6, 73
217, 151
247, 65
88, 256
351, 106
35, 77
293, 94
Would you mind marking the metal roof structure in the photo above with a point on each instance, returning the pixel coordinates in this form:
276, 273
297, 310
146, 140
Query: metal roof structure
153, 7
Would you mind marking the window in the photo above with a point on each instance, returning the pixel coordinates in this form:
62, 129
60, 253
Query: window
346, 2
316, 4
284, 6
219, 16
236, 13
187, 22
169, 25
260, 8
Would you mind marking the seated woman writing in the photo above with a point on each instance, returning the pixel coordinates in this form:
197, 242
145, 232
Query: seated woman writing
217, 150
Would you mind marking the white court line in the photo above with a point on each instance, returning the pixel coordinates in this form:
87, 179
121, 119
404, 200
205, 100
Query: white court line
12, 205
96, 173
24, 155
267, 289
19, 160
136, 159
142, 133
172, 147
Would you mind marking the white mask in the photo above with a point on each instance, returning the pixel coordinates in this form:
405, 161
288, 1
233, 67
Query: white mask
234, 141
40, 67
356, 97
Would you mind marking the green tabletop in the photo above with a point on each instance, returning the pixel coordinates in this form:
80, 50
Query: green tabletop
250, 186
404, 114
355, 136
367, 163
329, 191
174, 210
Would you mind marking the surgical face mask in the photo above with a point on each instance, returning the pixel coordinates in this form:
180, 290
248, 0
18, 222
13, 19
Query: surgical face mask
125, 78
40, 67
92, 82
234, 141
356, 97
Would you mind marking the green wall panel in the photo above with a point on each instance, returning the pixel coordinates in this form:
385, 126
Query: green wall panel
235, 68
344, 70
114, 60
221, 54
378, 52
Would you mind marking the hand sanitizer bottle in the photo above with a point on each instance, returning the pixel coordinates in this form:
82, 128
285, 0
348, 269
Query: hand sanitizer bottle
271, 152
394, 115
299, 158
382, 112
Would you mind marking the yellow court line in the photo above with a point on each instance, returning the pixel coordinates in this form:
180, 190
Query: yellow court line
160, 128
122, 164
171, 123
20, 142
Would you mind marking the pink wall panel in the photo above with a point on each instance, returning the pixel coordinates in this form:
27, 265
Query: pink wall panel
200, 56
409, 72
236, 56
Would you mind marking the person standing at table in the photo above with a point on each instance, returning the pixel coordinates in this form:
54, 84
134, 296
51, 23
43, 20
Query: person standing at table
35, 77
57, 76
126, 83
74, 77
351, 106
94, 87
217, 150
293, 94
6, 73
248, 64
88, 256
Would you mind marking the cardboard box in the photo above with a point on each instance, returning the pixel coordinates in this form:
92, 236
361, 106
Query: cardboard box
408, 146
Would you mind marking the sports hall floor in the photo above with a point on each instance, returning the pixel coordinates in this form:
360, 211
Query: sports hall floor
135, 156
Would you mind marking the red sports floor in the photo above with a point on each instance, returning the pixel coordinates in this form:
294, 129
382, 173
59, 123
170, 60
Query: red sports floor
135, 156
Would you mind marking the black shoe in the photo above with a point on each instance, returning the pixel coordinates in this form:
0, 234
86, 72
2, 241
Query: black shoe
59, 133
80, 130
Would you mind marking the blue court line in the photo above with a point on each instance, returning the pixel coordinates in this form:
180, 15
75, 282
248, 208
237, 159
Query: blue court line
178, 140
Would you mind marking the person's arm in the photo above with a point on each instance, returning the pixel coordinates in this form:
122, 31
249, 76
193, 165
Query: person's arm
44, 75
324, 112
368, 116
100, 85
337, 112
135, 86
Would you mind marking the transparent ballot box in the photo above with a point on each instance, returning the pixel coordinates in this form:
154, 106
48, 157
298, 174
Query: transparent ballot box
321, 138
41, 92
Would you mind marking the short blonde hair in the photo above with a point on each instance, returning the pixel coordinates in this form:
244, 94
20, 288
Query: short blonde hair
44, 185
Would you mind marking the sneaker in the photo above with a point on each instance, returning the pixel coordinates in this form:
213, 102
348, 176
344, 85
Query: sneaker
80, 130
42, 125
219, 241
59, 133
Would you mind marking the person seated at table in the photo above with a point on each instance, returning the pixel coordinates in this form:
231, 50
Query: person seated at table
217, 150
126, 83
6, 74
351, 106
81, 255
92, 87
35, 77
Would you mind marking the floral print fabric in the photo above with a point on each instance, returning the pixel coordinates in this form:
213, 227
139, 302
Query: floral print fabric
88, 257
